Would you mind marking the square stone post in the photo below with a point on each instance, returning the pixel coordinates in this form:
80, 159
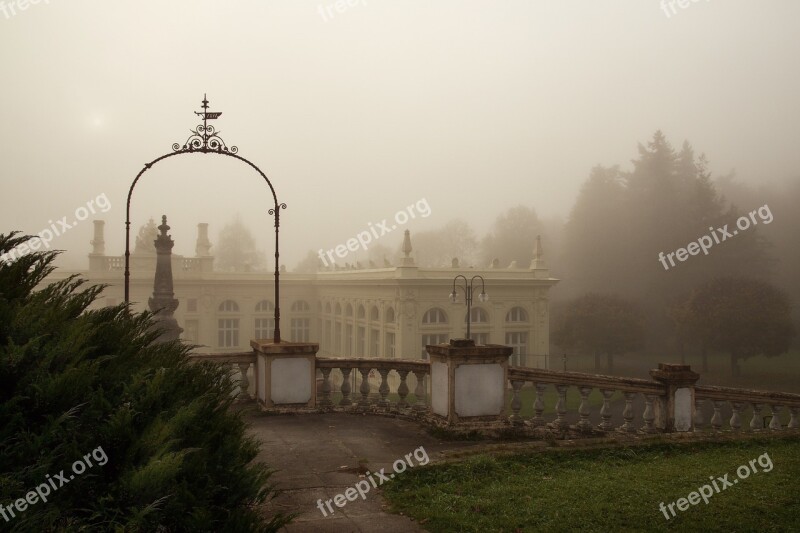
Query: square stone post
286, 373
468, 382
679, 382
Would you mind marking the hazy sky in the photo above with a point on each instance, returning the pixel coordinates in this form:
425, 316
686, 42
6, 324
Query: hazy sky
476, 106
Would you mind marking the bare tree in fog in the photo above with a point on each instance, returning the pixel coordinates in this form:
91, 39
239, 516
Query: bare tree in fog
236, 249
740, 317
512, 237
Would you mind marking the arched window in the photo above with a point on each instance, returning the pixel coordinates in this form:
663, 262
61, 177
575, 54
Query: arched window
229, 306
517, 314
328, 308
339, 309
389, 339
300, 306
265, 306
435, 315
228, 327
478, 316
375, 314
264, 320
301, 326
362, 313
349, 310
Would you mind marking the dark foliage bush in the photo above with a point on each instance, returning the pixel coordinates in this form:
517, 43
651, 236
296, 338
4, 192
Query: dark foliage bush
73, 380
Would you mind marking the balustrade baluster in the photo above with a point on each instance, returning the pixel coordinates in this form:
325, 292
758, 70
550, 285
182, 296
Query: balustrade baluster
793, 420
516, 402
244, 383
346, 401
583, 410
736, 419
325, 401
699, 420
363, 403
716, 419
605, 411
538, 405
627, 413
649, 414
757, 422
383, 390
402, 389
420, 393
561, 408
775, 423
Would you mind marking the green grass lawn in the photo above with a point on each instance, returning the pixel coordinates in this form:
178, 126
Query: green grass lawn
616, 489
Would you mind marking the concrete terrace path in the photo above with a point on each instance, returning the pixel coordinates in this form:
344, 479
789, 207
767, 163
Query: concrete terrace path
310, 451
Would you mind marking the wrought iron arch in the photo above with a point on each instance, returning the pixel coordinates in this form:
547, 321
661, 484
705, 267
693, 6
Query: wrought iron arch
206, 140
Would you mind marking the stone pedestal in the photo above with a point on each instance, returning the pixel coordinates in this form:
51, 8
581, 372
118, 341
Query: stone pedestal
679, 382
468, 382
285, 373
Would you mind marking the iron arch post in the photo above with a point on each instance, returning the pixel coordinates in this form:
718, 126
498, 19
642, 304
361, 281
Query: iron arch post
205, 140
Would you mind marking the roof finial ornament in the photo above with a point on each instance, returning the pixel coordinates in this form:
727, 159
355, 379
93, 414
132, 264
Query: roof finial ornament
205, 138
538, 255
407, 260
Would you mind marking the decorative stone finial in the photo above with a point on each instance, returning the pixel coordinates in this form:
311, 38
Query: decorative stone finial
407, 260
538, 255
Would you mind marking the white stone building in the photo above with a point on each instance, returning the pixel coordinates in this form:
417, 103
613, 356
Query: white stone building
393, 311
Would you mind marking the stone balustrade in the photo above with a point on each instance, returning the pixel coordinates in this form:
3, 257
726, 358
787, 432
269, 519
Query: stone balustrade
238, 363
338, 374
597, 404
727, 406
114, 263
191, 264
650, 420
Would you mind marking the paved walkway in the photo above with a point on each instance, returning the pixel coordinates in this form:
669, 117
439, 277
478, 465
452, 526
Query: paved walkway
321, 455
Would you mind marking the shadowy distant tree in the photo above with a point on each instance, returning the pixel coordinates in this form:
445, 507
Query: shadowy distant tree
309, 264
381, 255
740, 317
600, 324
236, 249
782, 201
590, 253
512, 237
165, 450
622, 221
437, 248
679, 315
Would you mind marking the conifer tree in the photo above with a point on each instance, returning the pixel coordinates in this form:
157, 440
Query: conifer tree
73, 380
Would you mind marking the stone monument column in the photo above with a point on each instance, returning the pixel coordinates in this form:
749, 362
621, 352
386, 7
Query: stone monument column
163, 303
